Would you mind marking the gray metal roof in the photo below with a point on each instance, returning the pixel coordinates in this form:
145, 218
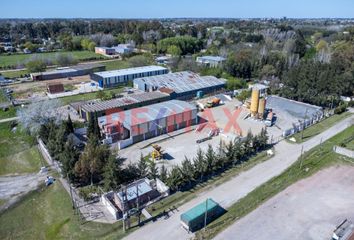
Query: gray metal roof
123, 101
143, 187
128, 71
182, 81
212, 58
148, 113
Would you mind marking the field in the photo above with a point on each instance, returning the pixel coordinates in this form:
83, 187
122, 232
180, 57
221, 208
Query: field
2, 97
18, 152
88, 96
47, 214
115, 64
20, 59
320, 127
316, 159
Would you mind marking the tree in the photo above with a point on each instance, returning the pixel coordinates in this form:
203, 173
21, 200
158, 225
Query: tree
244, 95
102, 95
93, 128
174, 50
140, 60
209, 159
229, 152
187, 171
30, 46
39, 113
163, 173
64, 59
112, 173
153, 171
36, 64
142, 167
69, 125
68, 158
175, 179
91, 163
199, 164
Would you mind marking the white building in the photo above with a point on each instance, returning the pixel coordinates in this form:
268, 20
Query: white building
211, 61
117, 77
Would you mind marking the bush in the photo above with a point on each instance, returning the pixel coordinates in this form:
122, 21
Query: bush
89, 192
340, 109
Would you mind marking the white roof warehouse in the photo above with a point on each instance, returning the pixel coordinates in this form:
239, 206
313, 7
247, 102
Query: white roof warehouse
117, 77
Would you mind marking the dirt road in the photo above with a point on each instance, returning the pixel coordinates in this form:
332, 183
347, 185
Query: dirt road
12, 188
228, 193
309, 209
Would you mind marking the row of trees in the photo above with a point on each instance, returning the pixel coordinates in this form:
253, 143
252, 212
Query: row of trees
213, 162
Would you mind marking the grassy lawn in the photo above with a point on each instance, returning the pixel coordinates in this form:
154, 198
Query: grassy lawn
179, 198
316, 159
8, 114
89, 96
47, 214
116, 64
17, 59
3, 98
320, 127
14, 74
18, 152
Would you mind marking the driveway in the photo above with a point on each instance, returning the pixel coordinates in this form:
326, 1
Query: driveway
230, 192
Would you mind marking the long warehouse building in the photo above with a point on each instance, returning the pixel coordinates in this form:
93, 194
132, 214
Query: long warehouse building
139, 124
181, 85
114, 78
103, 108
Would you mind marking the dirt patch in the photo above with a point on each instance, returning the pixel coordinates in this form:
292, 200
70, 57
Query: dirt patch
309, 209
13, 188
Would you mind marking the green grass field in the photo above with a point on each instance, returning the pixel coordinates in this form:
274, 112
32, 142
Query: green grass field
88, 96
47, 214
320, 127
2, 97
18, 152
313, 161
9, 113
18, 59
14, 74
115, 64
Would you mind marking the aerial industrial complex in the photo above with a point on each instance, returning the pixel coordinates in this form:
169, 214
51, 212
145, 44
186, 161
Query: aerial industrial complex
146, 122
103, 108
181, 85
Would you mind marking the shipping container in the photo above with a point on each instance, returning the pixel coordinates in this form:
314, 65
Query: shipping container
194, 219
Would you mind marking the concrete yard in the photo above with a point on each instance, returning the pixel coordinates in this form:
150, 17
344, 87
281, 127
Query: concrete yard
182, 143
309, 209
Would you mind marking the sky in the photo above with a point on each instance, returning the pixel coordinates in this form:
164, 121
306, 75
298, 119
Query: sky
176, 8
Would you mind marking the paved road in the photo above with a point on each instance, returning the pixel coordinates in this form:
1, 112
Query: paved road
8, 119
230, 192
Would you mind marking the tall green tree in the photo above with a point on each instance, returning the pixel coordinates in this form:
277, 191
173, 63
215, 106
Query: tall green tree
68, 158
112, 173
142, 167
187, 171
153, 170
163, 174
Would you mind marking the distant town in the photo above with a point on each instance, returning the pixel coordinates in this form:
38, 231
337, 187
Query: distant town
187, 128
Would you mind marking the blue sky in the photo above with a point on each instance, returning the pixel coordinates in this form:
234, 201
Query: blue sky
176, 8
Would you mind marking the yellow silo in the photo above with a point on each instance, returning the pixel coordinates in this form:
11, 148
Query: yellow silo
261, 107
254, 101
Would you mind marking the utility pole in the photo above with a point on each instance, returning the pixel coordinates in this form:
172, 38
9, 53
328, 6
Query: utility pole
124, 193
301, 158
206, 214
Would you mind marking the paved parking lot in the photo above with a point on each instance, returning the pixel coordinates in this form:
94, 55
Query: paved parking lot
309, 209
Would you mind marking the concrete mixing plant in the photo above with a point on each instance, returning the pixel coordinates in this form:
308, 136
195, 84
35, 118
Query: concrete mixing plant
258, 100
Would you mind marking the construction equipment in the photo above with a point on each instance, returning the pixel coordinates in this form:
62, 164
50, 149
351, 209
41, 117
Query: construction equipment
157, 152
212, 103
269, 120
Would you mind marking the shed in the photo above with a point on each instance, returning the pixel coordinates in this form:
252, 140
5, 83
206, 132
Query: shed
194, 218
55, 88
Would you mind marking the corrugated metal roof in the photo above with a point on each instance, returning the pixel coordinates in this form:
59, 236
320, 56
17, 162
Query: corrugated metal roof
128, 71
143, 187
212, 58
123, 101
148, 113
198, 210
182, 81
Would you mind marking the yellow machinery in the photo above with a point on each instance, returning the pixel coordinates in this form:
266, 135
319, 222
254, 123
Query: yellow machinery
254, 101
261, 107
157, 152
